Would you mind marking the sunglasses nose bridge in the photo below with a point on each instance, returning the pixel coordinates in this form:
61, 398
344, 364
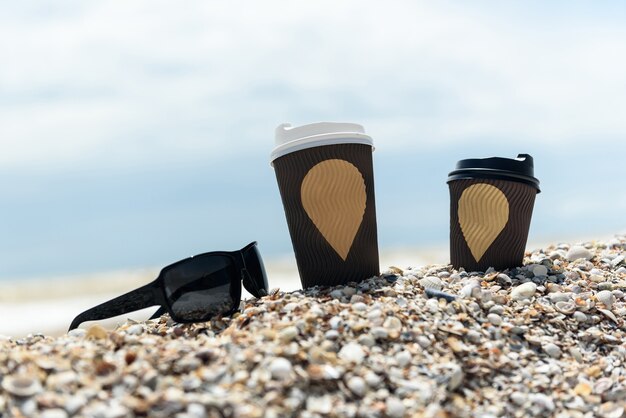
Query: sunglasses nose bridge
249, 282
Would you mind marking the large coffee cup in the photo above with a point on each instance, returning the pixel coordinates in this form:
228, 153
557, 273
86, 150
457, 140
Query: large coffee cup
491, 204
326, 182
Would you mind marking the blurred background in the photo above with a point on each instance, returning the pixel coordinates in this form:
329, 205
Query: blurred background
135, 134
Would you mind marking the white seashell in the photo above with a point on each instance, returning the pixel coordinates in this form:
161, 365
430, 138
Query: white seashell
608, 314
467, 291
566, 308
21, 386
611, 410
602, 385
606, 297
431, 282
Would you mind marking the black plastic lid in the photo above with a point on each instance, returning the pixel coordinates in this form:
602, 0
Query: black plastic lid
514, 169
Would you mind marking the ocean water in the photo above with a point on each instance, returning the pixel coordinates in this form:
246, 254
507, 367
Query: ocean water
76, 220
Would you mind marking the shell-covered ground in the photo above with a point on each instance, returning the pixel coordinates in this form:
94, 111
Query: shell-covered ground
545, 339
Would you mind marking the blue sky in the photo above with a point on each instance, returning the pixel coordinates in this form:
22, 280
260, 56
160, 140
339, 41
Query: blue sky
136, 134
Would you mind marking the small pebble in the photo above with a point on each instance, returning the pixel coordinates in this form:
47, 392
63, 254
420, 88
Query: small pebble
540, 270
518, 398
432, 305
392, 323
523, 291
352, 353
359, 307
54, 413
372, 379
374, 315
543, 401
280, 368
560, 297
403, 358
456, 377
379, 333
394, 407
497, 309
431, 293
367, 340
424, 342
577, 252
288, 334
504, 280
319, 404
334, 322
357, 385
474, 336
135, 329
605, 286
332, 334
494, 319
196, 410
349, 291
552, 350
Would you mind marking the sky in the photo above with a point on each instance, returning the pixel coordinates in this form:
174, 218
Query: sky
134, 134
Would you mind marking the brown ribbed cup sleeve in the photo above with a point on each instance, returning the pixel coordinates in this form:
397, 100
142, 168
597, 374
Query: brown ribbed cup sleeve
489, 223
328, 197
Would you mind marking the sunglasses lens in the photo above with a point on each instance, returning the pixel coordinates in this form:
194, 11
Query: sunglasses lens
254, 264
199, 288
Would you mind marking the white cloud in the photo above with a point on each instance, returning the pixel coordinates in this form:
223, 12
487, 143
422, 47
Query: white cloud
93, 79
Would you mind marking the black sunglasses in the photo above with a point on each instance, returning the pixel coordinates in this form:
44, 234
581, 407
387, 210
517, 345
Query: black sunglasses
194, 289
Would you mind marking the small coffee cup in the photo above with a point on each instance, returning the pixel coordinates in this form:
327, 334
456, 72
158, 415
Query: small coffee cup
491, 204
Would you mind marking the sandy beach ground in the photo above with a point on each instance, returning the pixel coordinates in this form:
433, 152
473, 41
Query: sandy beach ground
47, 306
544, 340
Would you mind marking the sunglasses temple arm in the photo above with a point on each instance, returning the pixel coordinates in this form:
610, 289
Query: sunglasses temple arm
251, 286
134, 300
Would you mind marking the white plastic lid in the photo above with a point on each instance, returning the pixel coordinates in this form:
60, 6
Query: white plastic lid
295, 138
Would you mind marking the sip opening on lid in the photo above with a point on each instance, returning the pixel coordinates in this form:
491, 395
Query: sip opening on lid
295, 138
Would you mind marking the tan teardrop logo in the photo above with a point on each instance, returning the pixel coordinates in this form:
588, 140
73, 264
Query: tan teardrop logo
333, 195
483, 214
